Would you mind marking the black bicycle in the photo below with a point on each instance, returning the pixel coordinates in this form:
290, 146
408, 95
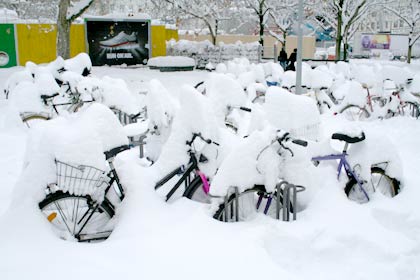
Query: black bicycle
195, 182
79, 204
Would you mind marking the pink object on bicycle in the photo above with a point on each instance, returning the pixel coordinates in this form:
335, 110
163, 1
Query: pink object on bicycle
206, 185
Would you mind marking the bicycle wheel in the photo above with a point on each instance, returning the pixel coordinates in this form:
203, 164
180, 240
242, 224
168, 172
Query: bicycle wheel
410, 109
250, 202
195, 191
68, 213
33, 120
379, 181
355, 113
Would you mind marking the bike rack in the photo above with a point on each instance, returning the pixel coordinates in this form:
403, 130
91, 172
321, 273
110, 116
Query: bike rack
227, 208
139, 142
289, 192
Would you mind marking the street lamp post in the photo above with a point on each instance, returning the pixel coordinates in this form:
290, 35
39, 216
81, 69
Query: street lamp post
299, 49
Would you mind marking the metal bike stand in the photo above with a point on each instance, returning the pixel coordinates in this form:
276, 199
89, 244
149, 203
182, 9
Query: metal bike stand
290, 192
278, 189
141, 144
226, 202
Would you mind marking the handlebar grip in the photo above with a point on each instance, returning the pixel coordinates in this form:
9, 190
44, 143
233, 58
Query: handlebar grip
245, 109
44, 96
300, 142
208, 141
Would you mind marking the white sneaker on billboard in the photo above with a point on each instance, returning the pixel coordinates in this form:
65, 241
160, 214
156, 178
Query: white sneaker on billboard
121, 39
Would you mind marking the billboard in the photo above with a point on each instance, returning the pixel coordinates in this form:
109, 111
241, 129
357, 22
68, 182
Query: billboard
118, 41
376, 41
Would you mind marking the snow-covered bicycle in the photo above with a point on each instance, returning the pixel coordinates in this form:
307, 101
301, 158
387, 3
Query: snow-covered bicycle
80, 204
263, 192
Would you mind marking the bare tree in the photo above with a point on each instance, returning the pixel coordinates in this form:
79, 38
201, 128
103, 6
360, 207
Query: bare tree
260, 9
410, 14
343, 16
209, 12
283, 15
67, 13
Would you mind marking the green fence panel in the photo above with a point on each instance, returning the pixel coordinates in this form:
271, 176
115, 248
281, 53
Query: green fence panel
7, 46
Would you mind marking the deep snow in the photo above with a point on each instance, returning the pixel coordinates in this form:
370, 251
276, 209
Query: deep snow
333, 238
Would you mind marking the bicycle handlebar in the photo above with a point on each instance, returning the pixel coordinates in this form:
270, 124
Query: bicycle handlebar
208, 141
281, 137
286, 137
246, 109
45, 97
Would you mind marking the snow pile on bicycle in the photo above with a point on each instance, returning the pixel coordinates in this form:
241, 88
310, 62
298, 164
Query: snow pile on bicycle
154, 176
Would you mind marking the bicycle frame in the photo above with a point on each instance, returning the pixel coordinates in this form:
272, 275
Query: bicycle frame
186, 172
343, 163
113, 178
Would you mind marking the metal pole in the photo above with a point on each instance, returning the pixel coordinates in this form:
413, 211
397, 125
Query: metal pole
299, 50
275, 53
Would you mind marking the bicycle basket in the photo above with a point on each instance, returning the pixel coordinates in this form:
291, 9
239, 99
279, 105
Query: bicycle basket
80, 180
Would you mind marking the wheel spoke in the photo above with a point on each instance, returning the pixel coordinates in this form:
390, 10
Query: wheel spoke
76, 215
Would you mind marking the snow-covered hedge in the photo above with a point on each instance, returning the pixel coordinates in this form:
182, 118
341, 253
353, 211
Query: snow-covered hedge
171, 61
204, 52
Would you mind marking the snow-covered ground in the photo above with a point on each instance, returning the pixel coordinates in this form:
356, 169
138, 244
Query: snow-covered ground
333, 238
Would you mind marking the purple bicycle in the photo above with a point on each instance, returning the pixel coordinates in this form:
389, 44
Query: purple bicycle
357, 188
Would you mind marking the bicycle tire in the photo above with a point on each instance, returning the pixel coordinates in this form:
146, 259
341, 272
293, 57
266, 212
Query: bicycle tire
32, 120
195, 191
387, 185
68, 213
354, 113
245, 212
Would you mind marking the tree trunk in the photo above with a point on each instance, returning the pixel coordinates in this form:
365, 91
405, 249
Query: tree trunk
339, 38
63, 30
261, 17
261, 23
410, 47
213, 38
284, 39
212, 33
345, 47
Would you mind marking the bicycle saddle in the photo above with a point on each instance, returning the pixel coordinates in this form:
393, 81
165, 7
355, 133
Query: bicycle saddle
349, 139
113, 152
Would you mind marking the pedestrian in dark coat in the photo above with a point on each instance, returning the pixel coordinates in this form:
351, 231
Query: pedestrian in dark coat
292, 60
283, 58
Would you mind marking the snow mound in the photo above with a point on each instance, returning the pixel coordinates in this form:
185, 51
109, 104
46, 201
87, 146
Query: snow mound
297, 114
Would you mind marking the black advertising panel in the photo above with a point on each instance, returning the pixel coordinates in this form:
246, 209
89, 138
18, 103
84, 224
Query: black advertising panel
115, 42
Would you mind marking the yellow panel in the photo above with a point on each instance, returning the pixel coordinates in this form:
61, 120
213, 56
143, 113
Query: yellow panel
36, 42
77, 39
158, 40
172, 34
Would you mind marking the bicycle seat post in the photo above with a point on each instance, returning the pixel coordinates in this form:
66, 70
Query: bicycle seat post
345, 148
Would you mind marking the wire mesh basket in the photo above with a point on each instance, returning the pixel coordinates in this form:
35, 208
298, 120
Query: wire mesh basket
80, 180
